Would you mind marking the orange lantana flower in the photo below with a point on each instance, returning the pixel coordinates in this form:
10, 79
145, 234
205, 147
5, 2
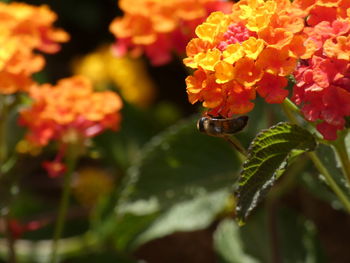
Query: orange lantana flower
261, 43
24, 29
158, 28
69, 112
236, 54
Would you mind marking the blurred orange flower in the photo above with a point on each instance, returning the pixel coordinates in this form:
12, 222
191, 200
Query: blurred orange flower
159, 27
69, 112
23, 29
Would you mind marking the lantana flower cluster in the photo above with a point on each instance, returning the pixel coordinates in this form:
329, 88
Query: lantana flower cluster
69, 113
69, 110
256, 47
157, 28
24, 29
323, 81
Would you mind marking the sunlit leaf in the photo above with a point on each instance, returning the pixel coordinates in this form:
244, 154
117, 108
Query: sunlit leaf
182, 175
178, 165
186, 216
268, 157
228, 244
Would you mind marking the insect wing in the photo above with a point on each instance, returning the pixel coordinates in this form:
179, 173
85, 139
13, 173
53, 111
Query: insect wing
236, 125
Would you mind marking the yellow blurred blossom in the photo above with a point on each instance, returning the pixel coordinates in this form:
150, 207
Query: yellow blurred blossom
128, 74
25, 147
90, 184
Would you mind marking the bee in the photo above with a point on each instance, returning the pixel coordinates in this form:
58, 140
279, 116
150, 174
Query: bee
221, 127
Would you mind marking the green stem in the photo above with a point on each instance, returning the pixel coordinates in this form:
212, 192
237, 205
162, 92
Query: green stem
340, 149
289, 108
329, 179
71, 161
3, 120
242, 152
11, 255
4, 111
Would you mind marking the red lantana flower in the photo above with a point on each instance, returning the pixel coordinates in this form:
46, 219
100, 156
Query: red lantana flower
323, 81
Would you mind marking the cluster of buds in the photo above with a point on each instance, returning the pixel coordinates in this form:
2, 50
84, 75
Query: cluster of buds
256, 47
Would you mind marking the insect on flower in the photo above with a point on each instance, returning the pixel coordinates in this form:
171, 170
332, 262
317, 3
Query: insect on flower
220, 127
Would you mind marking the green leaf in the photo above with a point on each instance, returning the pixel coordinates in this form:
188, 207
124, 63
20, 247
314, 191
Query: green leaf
316, 184
123, 229
210, 165
122, 148
228, 244
178, 165
129, 227
186, 216
268, 157
183, 177
297, 239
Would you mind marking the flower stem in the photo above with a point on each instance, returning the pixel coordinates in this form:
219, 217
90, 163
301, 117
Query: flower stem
10, 242
71, 161
329, 179
242, 152
3, 119
289, 107
4, 110
340, 149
